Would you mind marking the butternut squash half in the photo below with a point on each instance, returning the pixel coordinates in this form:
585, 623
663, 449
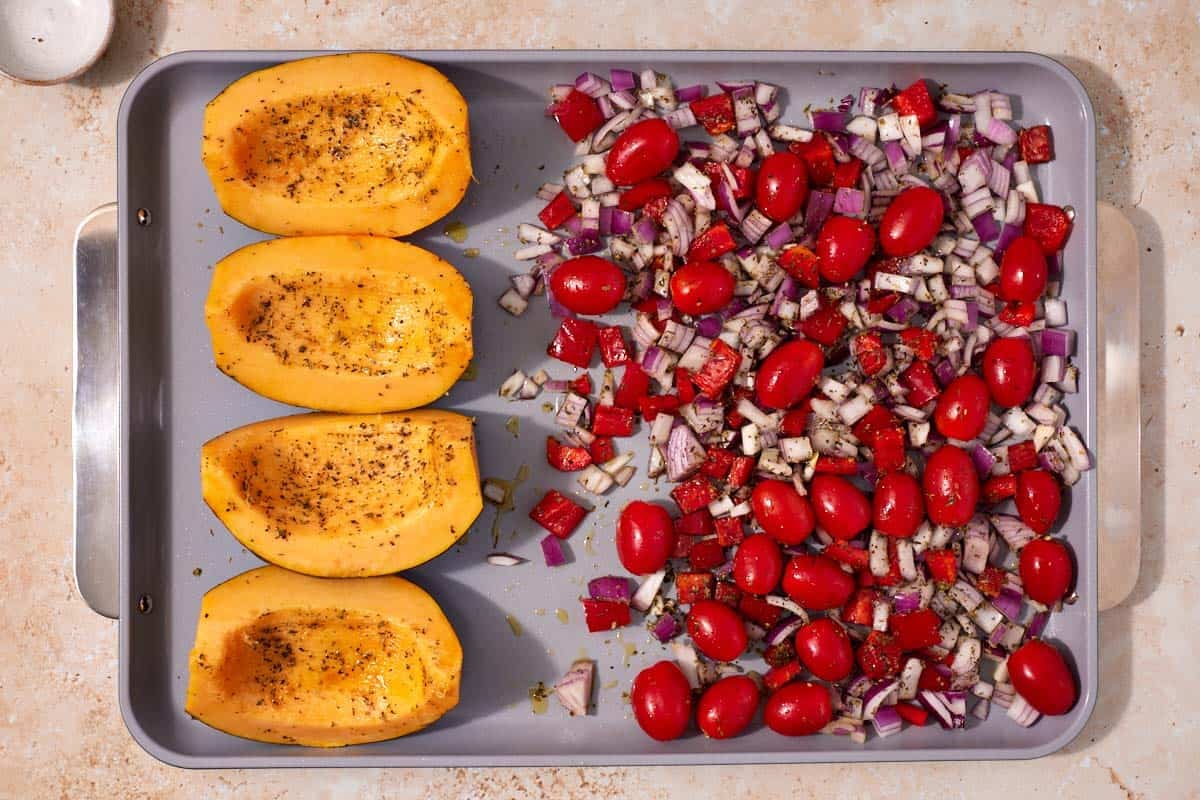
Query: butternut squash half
345, 495
358, 324
288, 658
354, 143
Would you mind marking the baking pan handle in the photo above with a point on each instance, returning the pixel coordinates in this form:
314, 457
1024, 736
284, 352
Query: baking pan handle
96, 420
1119, 406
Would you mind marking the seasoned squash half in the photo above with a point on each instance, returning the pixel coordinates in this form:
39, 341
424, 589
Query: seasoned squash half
354, 143
340, 323
288, 658
342, 496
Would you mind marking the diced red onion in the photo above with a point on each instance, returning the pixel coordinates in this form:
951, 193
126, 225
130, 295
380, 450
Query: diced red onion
552, 551
820, 204
666, 628
685, 453
609, 587
887, 722
828, 120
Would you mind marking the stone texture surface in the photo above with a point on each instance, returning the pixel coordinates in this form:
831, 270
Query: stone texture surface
60, 730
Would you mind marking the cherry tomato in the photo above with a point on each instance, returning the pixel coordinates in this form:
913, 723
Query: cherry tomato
645, 537
962, 409
642, 151
824, 648
1023, 270
1039, 499
798, 709
634, 198
727, 707
758, 565
782, 186
844, 246
701, 287
951, 486
788, 373
662, 701
1009, 370
578, 115
717, 630
911, 221
817, 582
1040, 675
588, 284
1046, 570
897, 505
840, 508
782, 512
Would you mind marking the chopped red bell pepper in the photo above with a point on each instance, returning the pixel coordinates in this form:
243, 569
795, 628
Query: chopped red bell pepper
877, 419
602, 449
651, 406
817, 154
1048, 225
1019, 313
684, 386
916, 629
847, 175
921, 383
715, 242
558, 514
706, 554
722, 364
916, 100
795, 421
612, 421
744, 181
879, 656
836, 465
694, 493
730, 531
1022, 456
683, 546
1037, 145
578, 115
740, 472
942, 565
999, 488
715, 113
991, 581
893, 576
733, 417
691, 587
717, 462
933, 680
695, 523
613, 350
868, 350
802, 264
574, 342
922, 342
655, 209
777, 655
582, 385
857, 558
758, 610
727, 593
565, 457
889, 449
634, 385
826, 325
557, 211
635, 197
912, 714
860, 609
781, 675
604, 615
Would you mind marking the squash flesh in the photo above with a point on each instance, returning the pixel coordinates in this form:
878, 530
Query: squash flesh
340, 323
362, 143
282, 657
336, 496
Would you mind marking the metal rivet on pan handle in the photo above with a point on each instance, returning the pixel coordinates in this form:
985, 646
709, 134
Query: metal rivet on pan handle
145, 604
143, 217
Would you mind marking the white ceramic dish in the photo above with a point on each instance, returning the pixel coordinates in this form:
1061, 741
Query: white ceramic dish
51, 41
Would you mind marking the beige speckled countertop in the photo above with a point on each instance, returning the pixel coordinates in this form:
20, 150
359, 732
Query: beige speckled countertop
60, 731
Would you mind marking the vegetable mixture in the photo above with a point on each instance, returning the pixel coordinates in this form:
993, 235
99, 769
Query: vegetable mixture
849, 356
